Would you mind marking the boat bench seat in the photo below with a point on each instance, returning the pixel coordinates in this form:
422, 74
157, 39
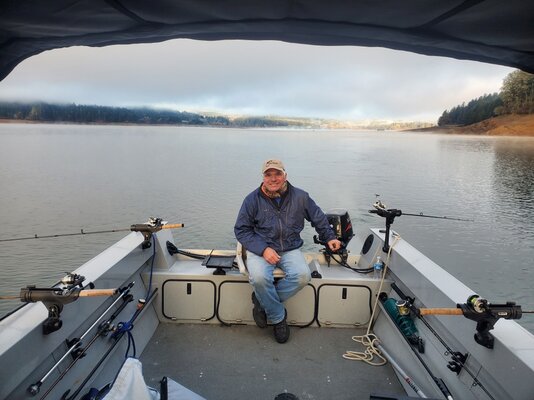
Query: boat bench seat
241, 257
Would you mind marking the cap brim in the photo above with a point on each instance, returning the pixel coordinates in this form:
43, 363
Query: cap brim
277, 168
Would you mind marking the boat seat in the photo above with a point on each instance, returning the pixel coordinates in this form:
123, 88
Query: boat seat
241, 257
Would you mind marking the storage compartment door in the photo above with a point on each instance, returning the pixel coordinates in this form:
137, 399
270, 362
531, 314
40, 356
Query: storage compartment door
235, 304
188, 300
301, 307
343, 305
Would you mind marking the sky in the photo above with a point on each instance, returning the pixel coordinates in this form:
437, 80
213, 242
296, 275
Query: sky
235, 77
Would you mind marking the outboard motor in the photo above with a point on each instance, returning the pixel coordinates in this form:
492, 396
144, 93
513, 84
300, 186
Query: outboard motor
340, 222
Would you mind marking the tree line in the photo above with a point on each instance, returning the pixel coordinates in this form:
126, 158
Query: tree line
516, 97
103, 114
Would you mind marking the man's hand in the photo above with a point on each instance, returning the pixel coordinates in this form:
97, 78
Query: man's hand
334, 245
271, 256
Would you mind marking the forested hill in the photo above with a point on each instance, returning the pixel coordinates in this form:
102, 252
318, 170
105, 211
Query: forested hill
101, 114
516, 97
89, 114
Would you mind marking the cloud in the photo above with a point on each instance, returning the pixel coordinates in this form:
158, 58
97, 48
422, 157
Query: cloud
260, 77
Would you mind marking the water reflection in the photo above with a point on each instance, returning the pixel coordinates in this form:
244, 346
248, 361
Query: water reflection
514, 175
63, 178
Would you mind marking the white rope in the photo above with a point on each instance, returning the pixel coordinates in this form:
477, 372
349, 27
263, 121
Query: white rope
370, 340
371, 351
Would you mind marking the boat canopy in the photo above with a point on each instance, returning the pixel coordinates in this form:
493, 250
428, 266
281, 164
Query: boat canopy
490, 31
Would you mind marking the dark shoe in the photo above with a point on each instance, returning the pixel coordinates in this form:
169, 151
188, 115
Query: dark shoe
258, 313
281, 330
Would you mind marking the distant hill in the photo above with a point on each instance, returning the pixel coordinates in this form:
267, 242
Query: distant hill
78, 113
475, 111
92, 114
516, 97
507, 113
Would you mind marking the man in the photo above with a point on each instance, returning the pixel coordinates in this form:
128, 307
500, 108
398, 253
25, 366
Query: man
268, 226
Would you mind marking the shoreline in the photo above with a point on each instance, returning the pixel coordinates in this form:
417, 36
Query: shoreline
503, 125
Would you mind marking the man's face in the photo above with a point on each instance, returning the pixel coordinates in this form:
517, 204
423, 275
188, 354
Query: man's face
273, 179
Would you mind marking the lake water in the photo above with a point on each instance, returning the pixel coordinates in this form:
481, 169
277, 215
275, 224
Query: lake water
61, 178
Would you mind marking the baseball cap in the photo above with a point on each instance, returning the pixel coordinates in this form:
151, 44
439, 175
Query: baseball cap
274, 164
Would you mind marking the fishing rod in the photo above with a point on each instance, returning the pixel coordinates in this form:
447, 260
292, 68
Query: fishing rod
116, 341
152, 226
391, 213
54, 298
397, 321
475, 308
458, 358
82, 232
34, 388
69, 281
437, 217
484, 313
33, 295
401, 371
80, 352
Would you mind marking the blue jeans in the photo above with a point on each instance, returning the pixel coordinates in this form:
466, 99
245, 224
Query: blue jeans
270, 295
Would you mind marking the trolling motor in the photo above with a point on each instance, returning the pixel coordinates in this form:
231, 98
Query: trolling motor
341, 224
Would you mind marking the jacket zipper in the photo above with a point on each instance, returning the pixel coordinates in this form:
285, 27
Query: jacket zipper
281, 231
278, 210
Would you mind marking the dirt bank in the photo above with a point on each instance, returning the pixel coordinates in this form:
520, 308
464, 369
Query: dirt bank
504, 125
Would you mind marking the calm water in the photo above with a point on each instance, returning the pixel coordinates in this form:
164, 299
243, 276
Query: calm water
61, 178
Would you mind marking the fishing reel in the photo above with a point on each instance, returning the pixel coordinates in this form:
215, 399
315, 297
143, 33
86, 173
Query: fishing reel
486, 315
54, 299
152, 226
389, 215
483, 313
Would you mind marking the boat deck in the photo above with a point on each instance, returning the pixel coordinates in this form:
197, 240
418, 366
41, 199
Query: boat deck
245, 362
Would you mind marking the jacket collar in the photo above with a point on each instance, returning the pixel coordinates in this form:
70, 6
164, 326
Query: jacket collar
272, 201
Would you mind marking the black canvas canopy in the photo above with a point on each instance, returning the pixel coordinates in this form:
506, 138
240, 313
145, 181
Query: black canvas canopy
491, 31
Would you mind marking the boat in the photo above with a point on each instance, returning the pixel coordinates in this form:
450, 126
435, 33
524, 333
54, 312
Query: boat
187, 313
183, 317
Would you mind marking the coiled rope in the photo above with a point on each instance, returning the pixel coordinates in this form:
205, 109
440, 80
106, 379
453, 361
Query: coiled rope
370, 340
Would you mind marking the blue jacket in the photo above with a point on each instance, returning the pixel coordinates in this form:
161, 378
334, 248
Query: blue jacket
263, 223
